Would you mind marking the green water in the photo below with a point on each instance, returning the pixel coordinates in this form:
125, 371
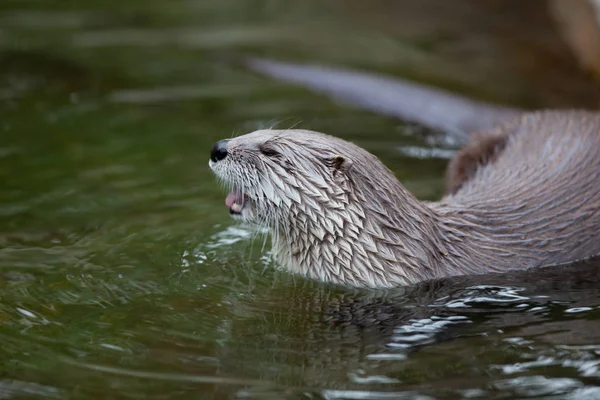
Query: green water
122, 276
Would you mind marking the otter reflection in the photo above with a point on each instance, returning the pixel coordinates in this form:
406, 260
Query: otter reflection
326, 337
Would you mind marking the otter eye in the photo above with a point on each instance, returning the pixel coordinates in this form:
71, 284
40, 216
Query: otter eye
268, 151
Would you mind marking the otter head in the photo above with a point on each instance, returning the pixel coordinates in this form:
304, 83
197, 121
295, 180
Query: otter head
275, 176
328, 204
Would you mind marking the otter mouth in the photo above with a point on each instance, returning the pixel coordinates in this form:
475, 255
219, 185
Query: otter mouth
237, 202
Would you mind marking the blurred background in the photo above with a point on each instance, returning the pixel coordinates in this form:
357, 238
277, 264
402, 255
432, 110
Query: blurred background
121, 274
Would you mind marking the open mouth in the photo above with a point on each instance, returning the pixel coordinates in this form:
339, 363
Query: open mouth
236, 201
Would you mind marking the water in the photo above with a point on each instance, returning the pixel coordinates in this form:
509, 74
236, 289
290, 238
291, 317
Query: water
122, 276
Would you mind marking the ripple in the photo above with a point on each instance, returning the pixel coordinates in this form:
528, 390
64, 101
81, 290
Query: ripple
426, 152
361, 376
10, 388
482, 295
589, 393
417, 332
231, 235
538, 385
164, 376
423, 331
31, 318
584, 359
578, 310
372, 395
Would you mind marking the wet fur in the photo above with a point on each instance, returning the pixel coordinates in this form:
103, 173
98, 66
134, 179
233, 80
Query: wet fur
482, 149
337, 214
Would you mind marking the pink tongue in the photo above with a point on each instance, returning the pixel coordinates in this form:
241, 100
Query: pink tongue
232, 198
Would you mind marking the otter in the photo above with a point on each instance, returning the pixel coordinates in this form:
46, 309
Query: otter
337, 214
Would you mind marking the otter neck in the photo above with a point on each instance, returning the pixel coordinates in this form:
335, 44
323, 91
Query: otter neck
354, 238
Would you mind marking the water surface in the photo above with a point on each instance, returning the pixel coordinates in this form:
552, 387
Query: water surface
122, 276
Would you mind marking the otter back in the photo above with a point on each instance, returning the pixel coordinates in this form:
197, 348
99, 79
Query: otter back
538, 202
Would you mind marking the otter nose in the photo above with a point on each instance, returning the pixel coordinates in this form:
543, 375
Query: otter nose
219, 151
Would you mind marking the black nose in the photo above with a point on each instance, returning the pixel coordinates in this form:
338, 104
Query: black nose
219, 151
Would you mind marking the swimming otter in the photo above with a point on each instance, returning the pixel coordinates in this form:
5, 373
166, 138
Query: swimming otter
337, 214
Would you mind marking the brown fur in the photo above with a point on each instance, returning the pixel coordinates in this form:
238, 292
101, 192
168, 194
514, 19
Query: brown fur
483, 148
528, 196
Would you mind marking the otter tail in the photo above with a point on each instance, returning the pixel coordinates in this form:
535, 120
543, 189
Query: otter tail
394, 97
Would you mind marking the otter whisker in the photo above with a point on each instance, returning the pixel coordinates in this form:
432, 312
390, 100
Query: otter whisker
284, 131
277, 122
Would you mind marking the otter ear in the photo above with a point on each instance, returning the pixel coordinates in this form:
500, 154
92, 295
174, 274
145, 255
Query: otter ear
340, 163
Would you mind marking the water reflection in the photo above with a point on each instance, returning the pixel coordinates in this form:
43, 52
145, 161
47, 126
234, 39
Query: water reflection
364, 344
121, 275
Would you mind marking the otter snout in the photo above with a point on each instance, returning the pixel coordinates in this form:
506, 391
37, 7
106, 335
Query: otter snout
219, 151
